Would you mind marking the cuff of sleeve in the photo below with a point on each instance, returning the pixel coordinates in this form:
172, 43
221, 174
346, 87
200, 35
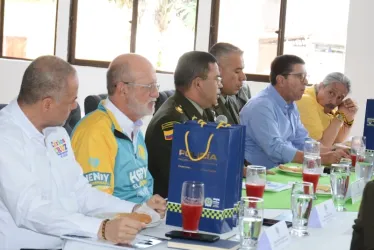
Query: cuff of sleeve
90, 226
288, 154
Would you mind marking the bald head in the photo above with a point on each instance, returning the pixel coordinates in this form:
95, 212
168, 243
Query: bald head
128, 68
46, 76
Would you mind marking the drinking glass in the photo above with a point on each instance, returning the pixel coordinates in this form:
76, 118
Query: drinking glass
312, 147
192, 200
301, 206
312, 170
358, 147
251, 214
339, 178
255, 181
364, 168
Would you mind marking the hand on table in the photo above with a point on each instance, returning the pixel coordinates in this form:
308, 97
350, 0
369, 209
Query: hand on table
157, 203
121, 230
333, 157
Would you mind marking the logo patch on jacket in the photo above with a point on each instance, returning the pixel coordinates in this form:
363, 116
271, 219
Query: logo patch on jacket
60, 148
139, 181
94, 162
141, 152
98, 178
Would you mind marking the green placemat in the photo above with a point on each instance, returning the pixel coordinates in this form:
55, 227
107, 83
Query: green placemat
282, 200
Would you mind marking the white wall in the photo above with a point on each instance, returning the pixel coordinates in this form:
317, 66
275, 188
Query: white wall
358, 64
359, 56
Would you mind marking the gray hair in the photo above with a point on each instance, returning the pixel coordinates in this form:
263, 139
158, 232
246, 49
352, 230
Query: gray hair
220, 50
46, 76
339, 78
116, 73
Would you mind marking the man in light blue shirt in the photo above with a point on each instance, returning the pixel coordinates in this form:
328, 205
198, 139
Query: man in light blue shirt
274, 132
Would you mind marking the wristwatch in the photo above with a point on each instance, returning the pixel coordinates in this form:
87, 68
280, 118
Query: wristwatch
339, 116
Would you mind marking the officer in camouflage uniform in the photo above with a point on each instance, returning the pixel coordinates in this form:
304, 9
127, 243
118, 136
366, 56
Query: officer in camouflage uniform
197, 83
233, 94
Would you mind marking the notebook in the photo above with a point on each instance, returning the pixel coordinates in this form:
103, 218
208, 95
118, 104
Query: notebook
200, 245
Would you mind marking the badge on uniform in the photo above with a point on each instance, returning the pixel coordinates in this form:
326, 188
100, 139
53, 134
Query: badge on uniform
168, 135
179, 109
167, 129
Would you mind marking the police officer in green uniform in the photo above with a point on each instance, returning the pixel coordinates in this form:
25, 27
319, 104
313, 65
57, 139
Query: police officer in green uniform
197, 83
233, 94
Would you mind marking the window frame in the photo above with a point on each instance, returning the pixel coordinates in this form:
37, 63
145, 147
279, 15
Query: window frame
134, 25
2, 17
213, 36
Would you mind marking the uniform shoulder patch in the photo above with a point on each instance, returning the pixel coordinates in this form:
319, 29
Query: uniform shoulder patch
167, 129
168, 134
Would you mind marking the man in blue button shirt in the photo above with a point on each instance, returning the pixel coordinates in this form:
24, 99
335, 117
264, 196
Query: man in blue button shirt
274, 132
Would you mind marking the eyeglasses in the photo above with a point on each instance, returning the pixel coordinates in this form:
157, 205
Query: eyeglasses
302, 76
218, 79
149, 87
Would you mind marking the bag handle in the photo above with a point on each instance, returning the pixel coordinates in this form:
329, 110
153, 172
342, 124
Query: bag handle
202, 123
223, 125
188, 148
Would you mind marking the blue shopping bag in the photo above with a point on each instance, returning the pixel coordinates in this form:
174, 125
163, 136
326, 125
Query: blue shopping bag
213, 155
369, 125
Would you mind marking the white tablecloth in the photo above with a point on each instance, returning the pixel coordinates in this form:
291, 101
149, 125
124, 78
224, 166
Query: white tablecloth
336, 235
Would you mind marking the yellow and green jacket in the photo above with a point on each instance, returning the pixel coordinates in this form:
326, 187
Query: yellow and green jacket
108, 158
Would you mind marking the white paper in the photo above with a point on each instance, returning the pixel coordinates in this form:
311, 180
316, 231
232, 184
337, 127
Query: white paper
140, 242
355, 190
322, 214
276, 237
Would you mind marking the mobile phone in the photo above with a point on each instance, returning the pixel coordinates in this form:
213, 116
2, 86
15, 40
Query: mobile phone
270, 222
327, 170
192, 236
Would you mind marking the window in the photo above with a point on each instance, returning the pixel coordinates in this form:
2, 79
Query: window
319, 39
33, 38
267, 28
160, 30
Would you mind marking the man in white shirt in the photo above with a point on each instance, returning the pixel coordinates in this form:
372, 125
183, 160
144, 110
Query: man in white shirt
43, 193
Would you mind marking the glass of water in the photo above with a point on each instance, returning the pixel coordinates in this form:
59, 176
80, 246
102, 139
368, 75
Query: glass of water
364, 168
301, 206
251, 214
339, 178
312, 147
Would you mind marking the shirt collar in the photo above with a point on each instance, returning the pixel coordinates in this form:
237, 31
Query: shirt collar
24, 122
127, 125
312, 92
286, 107
199, 109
